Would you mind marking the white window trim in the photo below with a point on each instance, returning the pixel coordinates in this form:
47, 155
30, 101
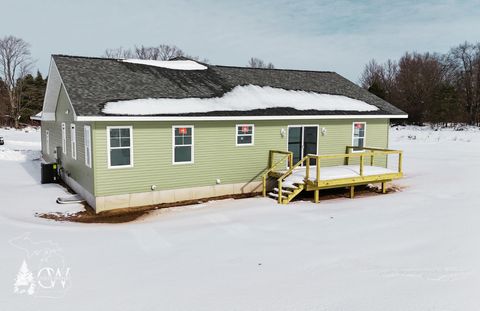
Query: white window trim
192, 145
236, 135
64, 138
47, 141
108, 147
87, 132
73, 140
364, 136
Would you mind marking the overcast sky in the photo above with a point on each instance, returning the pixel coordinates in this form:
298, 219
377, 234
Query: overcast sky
337, 35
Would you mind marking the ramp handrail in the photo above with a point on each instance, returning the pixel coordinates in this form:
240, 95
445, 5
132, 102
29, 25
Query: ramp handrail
287, 173
286, 155
362, 155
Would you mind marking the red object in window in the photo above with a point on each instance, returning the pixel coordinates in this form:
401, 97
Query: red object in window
245, 128
359, 125
182, 130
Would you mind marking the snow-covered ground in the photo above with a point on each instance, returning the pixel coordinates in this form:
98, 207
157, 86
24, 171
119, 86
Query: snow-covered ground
417, 249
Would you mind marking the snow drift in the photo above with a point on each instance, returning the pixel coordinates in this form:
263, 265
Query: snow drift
240, 98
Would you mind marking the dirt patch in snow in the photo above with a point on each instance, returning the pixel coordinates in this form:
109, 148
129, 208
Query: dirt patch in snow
123, 215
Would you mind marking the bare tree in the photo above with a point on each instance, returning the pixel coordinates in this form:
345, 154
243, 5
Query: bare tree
160, 52
465, 62
420, 79
380, 79
371, 74
119, 53
167, 52
15, 63
258, 63
419, 84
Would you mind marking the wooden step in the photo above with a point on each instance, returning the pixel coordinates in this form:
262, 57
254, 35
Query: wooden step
294, 187
275, 195
283, 190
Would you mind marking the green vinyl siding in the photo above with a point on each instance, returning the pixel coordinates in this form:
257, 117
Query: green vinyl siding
76, 168
215, 153
340, 134
54, 138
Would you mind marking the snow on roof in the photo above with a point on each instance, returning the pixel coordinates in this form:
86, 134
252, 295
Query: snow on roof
240, 98
170, 64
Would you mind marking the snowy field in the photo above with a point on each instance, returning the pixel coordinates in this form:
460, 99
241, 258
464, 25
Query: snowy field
417, 249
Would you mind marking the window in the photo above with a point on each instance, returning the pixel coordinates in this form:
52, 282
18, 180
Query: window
244, 134
120, 150
64, 139
182, 144
358, 139
47, 141
87, 140
73, 141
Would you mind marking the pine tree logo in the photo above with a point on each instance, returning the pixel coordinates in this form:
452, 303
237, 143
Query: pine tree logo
24, 282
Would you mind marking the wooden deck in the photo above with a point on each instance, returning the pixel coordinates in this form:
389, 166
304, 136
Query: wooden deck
306, 177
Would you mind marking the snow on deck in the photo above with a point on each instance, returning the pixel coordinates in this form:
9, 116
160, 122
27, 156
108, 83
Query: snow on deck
240, 98
333, 172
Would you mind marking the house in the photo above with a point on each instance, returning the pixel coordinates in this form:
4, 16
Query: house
133, 132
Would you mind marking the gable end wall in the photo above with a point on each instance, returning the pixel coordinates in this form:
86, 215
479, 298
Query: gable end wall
76, 174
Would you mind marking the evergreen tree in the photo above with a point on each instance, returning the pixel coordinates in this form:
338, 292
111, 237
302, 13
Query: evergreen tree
24, 282
4, 106
376, 89
31, 92
446, 107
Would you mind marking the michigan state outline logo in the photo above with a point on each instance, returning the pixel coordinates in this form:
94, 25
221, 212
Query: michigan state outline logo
43, 271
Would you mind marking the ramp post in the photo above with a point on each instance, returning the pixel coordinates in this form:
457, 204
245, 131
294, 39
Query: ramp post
384, 187
316, 196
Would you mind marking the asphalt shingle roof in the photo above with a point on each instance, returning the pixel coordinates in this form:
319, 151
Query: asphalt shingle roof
92, 82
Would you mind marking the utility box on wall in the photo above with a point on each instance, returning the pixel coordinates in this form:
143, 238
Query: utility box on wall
49, 173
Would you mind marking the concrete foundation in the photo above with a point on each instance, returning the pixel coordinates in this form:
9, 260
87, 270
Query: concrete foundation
106, 203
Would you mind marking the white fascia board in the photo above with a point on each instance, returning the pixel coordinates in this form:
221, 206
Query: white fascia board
52, 89
48, 116
223, 118
54, 85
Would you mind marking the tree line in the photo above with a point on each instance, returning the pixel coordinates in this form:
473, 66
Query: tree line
430, 87
168, 52
21, 93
